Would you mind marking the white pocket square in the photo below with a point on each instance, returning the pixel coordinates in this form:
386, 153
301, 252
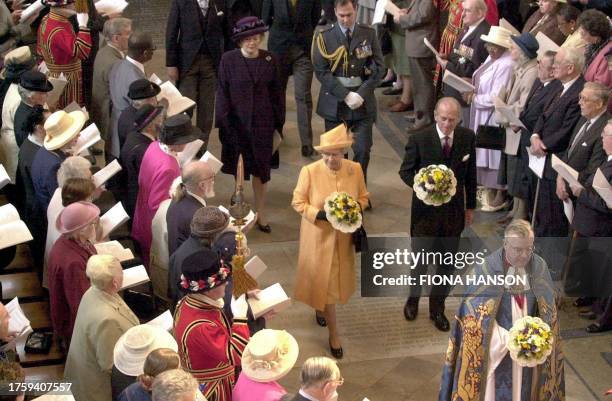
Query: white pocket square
465, 158
584, 144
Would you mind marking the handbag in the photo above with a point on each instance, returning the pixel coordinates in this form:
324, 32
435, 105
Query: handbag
490, 136
360, 239
38, 343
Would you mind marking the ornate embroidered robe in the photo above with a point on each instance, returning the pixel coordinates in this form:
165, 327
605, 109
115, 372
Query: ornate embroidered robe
464, 376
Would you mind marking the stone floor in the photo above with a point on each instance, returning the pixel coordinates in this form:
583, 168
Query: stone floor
386, 358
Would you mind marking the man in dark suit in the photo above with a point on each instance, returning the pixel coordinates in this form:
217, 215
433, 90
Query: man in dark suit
348, 62
593, 218
469, 50
196, 32
292, 24
140, 92
198, 184
444, 143
320, 379
552, 134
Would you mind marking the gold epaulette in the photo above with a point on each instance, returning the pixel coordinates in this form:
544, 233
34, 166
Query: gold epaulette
340, 54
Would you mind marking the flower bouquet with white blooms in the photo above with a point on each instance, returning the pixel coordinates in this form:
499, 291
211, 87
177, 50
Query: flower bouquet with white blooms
435, 185
343, 212
530, 341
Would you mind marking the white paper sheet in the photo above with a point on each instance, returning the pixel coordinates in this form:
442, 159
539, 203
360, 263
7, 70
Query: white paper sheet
42, 67
4, 178
379, 12
155, 79
391, 8
255, 266
430, 47
163, 321
177, 103
212, 161
110, 6
536, 164
106, 173
568, 209
546, 44
508, 113
134, 276
31, 12
505, 24
271, 298
457, 82
59, 84
51, 397
569, 174
189, 152
114, 248
89, 137
18, 322
112, 219
603, 187
513, 140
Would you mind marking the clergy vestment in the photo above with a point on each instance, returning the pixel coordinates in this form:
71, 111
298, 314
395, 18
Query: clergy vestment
210, 347
476, 361
157, 171
63, 49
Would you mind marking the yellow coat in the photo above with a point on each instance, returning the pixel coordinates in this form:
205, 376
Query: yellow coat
320, 244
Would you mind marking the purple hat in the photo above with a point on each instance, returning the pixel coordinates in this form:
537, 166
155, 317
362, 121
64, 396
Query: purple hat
76, 216
248, 26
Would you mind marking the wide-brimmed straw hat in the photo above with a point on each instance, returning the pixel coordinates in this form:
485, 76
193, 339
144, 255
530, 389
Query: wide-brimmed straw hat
269, 355
62, 127
133, 347
337, 138
76, 216
498, 36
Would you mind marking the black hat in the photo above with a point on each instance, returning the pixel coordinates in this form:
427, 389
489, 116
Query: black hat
143, 89
203, 270
35, 81
177, 130
145, 115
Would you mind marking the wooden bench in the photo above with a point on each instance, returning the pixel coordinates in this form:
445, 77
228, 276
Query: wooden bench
22, 263
55, 356
26, 286
45, 373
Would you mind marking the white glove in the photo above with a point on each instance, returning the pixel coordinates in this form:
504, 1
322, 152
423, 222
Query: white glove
83, 19
353, 100
239, 307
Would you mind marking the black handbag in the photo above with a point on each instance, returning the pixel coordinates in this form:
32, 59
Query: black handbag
38, 343
490, 136
360, 239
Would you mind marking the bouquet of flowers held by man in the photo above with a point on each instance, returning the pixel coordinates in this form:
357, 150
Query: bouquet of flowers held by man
343, 212
435, 184
530, 341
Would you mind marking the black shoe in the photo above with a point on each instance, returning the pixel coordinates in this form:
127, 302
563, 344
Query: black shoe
307, 151
440, 321
598, 328
583, 301
411, 310
336, 352
386, 84
320, 320
392, 91
264, 229
588, 315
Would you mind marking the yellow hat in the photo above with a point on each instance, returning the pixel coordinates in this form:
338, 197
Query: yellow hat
62, 128
337, 138
498, 36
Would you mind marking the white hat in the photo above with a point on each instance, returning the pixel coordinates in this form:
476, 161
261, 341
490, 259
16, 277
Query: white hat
136, 344
498, 36
62, 127
269, 355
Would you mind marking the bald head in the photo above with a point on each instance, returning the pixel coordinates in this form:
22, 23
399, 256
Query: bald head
140, 46
447, 114
198, 178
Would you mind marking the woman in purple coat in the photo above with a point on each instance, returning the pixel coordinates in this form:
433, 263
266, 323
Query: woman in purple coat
250, 109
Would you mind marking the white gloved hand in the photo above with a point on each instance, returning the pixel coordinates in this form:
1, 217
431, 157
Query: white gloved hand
353, 100
83, 19
239, 307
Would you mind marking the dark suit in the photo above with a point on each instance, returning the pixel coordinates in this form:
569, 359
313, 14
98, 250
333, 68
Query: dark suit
21, 116
132, 154
126, 123
446, 222
292, 397
27, 151
466, 57
365, 62
585, 153
290, 40
554, 127
178, 219
194, 44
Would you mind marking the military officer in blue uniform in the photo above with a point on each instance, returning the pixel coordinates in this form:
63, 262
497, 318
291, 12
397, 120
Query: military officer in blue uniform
348, 62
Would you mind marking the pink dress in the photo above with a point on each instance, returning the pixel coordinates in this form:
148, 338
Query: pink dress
249, 390
157, 171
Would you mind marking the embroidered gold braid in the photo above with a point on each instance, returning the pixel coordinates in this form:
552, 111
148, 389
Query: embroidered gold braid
340, 54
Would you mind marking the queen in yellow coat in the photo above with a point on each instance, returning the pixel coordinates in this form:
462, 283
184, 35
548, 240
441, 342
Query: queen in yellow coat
326, 262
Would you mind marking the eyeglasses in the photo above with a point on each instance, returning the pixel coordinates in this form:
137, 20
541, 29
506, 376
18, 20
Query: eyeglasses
521, 251
338, 382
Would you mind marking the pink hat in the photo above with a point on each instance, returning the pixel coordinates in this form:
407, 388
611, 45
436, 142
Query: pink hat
76, 216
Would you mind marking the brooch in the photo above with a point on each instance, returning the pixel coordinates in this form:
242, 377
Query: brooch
462, 60
268, 58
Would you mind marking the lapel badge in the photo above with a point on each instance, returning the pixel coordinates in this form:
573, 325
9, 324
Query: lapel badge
268, 58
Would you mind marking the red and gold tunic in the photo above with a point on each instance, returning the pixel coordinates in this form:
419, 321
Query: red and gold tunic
210, 348
63, 49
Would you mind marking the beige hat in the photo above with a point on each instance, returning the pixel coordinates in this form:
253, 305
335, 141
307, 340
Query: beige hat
133, 347
498, 36
269, 355
21, 56
62, 128
337, 138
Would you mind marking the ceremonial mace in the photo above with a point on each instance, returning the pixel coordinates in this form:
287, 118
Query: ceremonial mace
239, 209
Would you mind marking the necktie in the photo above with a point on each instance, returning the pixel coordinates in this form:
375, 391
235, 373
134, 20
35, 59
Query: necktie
520, 300
584, 129
348, 36
446, 149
